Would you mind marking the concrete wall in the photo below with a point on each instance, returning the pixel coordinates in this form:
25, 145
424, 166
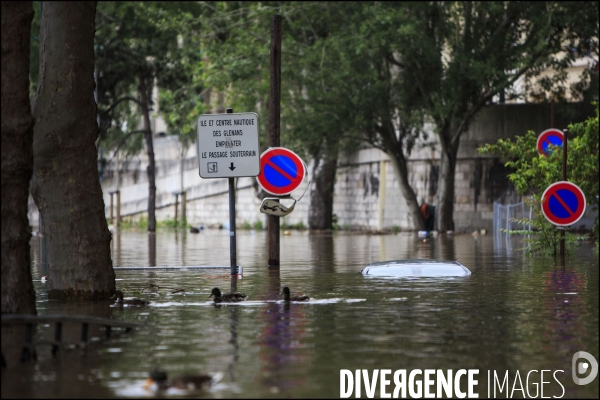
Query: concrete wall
367, 194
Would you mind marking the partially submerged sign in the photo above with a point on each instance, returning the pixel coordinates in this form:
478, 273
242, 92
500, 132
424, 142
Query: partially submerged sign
228, 145
416, 268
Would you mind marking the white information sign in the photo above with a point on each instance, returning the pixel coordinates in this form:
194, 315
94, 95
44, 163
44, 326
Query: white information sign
228, 145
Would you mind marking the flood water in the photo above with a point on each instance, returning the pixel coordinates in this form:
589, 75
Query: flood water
512, 314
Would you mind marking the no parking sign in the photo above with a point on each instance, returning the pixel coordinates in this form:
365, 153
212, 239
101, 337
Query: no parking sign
549, 137
563, 203
281, 171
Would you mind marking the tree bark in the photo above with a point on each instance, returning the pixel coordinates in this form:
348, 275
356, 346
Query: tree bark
400, 168
151, 169
321, 196
18, 295
65, 185
394, 149
444, 214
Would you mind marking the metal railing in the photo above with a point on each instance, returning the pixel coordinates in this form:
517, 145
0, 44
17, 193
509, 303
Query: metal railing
28, 352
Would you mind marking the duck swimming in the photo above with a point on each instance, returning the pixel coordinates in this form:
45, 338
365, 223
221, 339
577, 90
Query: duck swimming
286, 295
227, 298
159, 381
132, 302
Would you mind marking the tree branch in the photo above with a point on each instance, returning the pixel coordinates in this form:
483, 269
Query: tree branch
122, 142
122, 99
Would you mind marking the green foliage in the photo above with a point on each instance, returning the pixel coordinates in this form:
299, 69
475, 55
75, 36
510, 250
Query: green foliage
312, 80
257, 225
533, 173
246, 225
142, 223
299, 226
172, 223
156, 42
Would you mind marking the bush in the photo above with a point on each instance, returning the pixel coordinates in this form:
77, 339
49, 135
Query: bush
533, 173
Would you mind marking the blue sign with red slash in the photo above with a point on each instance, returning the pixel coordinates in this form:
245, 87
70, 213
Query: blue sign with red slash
549, 137
563, 203
281, 171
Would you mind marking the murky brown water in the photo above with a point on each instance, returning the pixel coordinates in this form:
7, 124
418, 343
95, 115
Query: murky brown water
512, 313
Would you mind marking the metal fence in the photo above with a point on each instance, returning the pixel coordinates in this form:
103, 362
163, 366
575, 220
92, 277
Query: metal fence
504, 215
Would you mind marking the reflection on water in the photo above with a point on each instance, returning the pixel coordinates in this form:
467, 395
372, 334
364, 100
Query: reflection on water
513, 313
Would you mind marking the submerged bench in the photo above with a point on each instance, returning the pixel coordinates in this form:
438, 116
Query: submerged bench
416, 268
58, 319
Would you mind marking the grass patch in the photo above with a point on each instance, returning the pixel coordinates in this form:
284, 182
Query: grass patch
299, 225
142, 224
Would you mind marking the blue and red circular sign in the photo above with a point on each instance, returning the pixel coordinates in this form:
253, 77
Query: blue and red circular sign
549, 137
281, 171
563, 203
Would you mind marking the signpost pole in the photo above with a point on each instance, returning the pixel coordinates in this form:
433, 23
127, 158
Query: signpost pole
232, 247
564, 178
274, 110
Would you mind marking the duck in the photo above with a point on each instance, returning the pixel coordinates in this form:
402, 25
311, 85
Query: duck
286, 295
132, 302
226, 298
159, 381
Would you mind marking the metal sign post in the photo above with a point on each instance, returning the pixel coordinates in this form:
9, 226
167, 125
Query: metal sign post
232, 241
274, 128
564, 178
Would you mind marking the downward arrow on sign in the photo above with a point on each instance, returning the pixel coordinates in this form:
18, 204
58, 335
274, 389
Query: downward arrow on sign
232, 167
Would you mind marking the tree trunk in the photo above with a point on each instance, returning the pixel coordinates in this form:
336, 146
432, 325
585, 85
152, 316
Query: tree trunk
445, 208
18, 295
400, 168
151, 169
396, 152
321, 196
65, 184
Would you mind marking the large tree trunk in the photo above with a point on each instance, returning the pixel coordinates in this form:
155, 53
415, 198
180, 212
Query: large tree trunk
151, 170
321, 196
395, 150
400, 168
18, 295
65, 184
445, 209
